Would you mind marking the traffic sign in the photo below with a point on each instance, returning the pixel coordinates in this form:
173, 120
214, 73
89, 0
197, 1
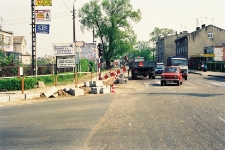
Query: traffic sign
42, 28
43, 2
43, 15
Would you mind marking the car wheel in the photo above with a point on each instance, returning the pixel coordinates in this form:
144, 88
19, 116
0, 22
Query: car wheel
181, 83
178, 83
185, 78
162, 83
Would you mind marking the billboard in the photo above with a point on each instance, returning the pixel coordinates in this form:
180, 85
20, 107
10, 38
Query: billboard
62, 49
42, 28
42, 15
65, 61
7, 48
88, 51
43, 2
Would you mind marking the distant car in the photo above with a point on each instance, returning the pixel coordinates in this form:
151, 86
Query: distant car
159, 68
172, 74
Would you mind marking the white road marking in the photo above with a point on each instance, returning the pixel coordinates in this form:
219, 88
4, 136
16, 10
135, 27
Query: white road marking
219, 84
221, 119
189, 84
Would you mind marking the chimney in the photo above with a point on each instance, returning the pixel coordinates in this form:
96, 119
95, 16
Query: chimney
203, 26
197, 28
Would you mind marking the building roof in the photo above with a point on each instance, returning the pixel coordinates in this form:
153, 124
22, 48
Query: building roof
199, 30
18, 39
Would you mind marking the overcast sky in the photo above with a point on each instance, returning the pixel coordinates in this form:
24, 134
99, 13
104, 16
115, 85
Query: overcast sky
178, 15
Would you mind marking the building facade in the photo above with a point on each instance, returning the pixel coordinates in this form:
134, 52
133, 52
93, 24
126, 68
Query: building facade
165, 47
192, 45
19, 44
6, 41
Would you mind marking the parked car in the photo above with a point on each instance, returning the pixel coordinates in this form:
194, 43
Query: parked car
171, 75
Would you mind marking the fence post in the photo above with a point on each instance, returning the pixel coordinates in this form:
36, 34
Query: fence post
22, 85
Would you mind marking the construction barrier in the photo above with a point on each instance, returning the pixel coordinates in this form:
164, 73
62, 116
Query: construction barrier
114, 74
113, 89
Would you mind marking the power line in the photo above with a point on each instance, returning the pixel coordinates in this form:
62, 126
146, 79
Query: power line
66, 4
61, 4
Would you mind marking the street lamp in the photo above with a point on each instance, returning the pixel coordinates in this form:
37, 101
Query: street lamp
74, 37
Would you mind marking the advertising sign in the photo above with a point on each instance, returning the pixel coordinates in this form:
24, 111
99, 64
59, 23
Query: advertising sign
61, 49
43, 2
65, 61
88, 51
42, 28
7, 48
43, 15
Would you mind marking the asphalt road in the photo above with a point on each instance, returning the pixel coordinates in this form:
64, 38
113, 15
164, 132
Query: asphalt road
151, 116
51, 124
141, 115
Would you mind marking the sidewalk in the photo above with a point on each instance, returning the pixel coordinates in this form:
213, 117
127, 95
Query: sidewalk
37, 92
208, 73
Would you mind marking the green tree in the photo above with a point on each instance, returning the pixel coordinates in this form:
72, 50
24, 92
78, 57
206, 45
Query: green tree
156, 34
6, 60
111, 19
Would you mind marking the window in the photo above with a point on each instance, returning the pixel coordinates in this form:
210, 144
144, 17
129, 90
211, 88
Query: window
210, 34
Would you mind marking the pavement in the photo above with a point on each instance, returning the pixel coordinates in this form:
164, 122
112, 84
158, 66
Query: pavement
35, 92
38, 92
208, 73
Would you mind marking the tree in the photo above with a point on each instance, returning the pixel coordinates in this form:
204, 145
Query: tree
110, 19
158, 33
6, 60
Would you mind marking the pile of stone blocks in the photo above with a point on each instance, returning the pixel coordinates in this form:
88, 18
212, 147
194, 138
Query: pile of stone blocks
121, 80
97, 87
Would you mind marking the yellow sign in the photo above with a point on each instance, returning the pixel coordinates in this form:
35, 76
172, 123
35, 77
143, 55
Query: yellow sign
203, 55
43, 2
40, 16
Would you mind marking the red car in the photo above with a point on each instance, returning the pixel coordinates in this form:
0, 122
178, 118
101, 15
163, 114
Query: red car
172, 74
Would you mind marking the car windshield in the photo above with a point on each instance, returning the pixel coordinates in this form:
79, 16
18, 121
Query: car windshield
159, 66
170, 70
179, 62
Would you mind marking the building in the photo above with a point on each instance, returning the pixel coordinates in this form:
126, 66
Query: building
192, 45
165, 47
15, 45
19, 45
6, 41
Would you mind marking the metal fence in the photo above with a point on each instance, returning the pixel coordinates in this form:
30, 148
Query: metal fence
216, 66
13, 71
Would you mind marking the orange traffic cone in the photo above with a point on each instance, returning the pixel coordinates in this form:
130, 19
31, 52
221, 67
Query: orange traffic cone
113, 89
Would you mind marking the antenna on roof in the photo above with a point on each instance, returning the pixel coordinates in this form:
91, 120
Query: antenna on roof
196, 22
185, 26
212, 20
1, 23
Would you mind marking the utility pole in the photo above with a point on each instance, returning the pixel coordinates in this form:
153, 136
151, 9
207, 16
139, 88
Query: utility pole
34, 57
74, 12
93, 34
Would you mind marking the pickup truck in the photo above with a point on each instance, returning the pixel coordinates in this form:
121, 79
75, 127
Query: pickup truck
141, 67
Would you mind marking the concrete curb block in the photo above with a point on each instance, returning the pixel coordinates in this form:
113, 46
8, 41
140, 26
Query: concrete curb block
16, 97
76, 91
4, 98
50, 92
32, 95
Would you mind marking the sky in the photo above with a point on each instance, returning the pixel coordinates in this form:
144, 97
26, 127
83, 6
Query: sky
179, 15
